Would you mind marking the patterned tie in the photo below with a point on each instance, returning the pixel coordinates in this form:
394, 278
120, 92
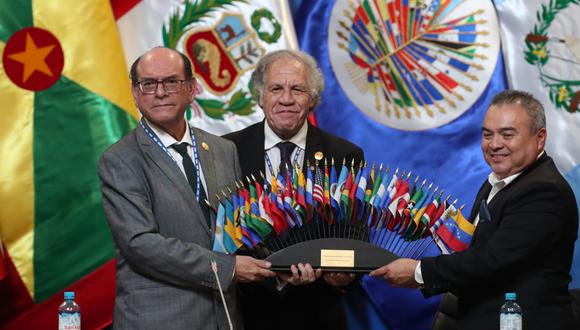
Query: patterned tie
191, 174
286, 149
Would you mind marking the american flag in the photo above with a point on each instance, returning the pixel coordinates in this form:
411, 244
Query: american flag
318, 191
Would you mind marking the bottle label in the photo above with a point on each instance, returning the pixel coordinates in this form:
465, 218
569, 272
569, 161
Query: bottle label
69, 321
510, 321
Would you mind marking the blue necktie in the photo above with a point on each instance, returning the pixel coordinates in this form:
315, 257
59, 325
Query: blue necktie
484, 214
286, 149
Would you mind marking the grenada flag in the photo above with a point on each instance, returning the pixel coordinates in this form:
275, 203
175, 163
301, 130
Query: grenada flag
65, 97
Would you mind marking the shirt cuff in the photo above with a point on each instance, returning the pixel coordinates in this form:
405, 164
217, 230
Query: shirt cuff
418, 274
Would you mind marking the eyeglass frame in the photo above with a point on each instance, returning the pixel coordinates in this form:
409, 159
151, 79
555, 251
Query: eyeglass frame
162, 81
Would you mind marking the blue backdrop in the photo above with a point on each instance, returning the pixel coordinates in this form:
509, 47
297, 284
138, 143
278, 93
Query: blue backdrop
450, 155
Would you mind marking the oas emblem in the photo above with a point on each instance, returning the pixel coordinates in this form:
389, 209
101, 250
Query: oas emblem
413, 65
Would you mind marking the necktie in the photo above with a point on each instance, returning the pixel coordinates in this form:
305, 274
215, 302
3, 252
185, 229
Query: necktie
484, 214
286, 149
191, 174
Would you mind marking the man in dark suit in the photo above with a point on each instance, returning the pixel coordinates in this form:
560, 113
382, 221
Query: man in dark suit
154, 182
527, 223
287, 86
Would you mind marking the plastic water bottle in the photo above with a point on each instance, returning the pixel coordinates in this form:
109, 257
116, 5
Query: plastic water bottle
69, 313
510, 314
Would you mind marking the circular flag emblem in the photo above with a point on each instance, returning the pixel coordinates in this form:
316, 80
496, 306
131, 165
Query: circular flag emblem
33, 59
553, 47
413, 65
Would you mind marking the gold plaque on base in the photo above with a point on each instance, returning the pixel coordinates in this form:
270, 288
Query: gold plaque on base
332, 254
336, 258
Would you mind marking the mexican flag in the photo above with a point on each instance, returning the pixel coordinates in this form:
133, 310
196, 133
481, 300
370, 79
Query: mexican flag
65, 98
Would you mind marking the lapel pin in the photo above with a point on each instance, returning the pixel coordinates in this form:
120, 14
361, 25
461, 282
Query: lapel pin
204, 146
318, 155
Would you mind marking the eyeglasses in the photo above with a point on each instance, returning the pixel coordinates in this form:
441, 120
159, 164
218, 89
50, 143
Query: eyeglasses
170, 85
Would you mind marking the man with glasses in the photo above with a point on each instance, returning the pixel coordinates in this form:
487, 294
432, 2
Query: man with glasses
155, 182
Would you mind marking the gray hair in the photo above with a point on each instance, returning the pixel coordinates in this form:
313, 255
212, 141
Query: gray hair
313, 73
525, 100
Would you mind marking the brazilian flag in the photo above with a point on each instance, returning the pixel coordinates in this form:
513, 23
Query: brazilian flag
64, 98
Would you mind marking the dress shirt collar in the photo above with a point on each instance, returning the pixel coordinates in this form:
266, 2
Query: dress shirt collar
501, 183
497, 183
167, 139
271, 139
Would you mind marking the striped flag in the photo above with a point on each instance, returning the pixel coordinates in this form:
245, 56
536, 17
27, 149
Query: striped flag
345, 201
277, 207
65, 98
542, 55
340, 182
224, 39
333, 189
399, 202
414, 204
3, 271
448, 211
218, 241
263, 203
385, 192
318, 190
238, 233
300, 198
254, 221
309, 199
289, 203
240, 229
456, 232
359, 197
231, 241
326, 205
249, 234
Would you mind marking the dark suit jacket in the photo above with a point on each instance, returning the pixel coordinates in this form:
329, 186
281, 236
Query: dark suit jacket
526, 248
314, 306
163, 242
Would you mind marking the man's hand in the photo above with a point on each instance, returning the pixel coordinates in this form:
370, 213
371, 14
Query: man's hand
338, 279
400, 273
249, 269
301, 274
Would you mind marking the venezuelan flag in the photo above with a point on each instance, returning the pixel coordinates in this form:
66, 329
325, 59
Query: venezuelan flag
65, 98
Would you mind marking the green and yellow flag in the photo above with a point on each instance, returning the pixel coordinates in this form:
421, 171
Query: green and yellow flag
65, 97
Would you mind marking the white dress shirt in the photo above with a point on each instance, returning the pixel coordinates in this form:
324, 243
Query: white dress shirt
273, 153
496, 186
168, 140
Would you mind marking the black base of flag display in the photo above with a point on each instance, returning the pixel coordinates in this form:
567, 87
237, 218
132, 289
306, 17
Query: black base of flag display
332, 254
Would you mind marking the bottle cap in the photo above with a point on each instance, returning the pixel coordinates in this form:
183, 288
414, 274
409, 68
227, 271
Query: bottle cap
69, 295
510, 296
